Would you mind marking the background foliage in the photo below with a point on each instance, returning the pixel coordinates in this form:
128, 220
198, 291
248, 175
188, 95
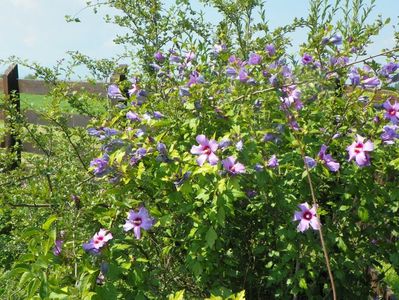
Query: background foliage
216, 235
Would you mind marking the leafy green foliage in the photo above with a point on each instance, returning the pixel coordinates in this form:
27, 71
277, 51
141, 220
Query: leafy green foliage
219, 233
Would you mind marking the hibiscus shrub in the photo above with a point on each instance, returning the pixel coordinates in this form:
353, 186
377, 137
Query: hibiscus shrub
230, 169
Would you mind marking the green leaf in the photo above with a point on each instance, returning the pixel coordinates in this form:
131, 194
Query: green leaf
303, 284
25, 277
238, 296
363, 214
33, 286
49, 221
177, 296
211, 237
140, 170
54, 295
341, 244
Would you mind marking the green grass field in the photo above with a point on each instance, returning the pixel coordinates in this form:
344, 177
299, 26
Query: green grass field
43, 102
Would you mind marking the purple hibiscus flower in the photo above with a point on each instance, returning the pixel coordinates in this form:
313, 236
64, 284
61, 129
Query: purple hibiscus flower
292, 95
306, 217
270, 49
195, 78
243, 75
273, 162
158, 115
354, 77
310, 162
233, 167
138, 220
159, 57
307, 59
132, 116
254, 59
392, 111
335, 39
388, 69
370, 82
206, 150
57, 247
390, 134
359, 150
99, 240
138, 155
331, 164
100, 165
115, 93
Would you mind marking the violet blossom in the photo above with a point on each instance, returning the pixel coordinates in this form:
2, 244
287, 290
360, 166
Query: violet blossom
327, 159
270, 49
57, 247
243, 75
307, 217
138, 155
195, 78
390, 134
158, 115
138, 220
392, 111
233, 167
388, 69
254, 59
159, 57
307, 59
100, 165
292, 95
98, 241
115, 93
132, 116
272, 162
310, 162
359, 150
206, 150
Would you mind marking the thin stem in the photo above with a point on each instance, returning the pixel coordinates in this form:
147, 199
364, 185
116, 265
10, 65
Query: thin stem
323, 245
30, 205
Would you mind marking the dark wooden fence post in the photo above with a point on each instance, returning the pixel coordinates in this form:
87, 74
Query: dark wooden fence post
11, 93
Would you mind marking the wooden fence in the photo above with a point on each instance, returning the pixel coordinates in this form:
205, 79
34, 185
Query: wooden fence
12, 86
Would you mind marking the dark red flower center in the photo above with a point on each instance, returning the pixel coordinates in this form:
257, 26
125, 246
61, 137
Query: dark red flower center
358, 148
307, 215
207, 150
100, 238
137, 221
392, 112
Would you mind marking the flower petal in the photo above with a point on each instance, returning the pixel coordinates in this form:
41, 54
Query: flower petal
137, 232
202, 140
201, 159
303, 225
213, 159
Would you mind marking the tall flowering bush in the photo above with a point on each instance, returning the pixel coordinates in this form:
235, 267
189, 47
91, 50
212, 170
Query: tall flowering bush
214, 145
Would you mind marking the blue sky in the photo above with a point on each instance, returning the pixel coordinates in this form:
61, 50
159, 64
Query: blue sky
37, 31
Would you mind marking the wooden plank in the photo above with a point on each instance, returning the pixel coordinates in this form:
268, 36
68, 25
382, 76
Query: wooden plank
36, 87
40, 87
29, 147
72, 120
